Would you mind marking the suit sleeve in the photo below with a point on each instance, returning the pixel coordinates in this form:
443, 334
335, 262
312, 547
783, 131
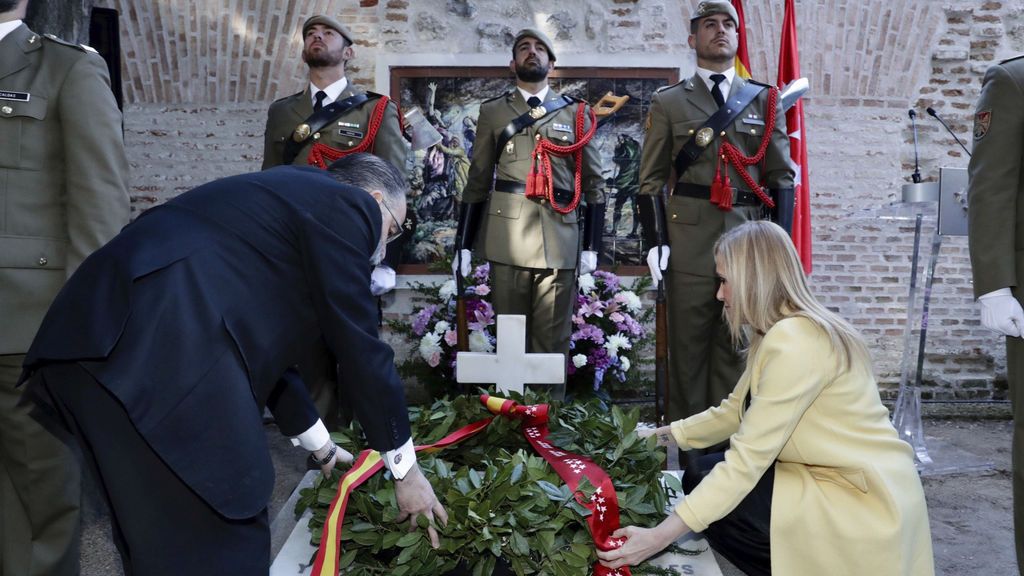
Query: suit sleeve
291, 405
994, 174
337, 264
481, 169
656, 156
95, 164
786, 385
778, 166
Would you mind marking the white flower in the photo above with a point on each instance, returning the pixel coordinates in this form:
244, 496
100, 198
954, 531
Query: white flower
441, 327
587, 283
430, 348
624, 363
579, 360
448, 289
478, 342
615, 342
630, 300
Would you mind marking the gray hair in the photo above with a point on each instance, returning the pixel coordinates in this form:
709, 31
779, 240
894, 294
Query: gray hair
370, 173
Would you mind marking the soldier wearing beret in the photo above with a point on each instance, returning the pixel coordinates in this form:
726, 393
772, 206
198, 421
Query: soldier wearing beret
329, 119
704, 198
995, 232
523, 218
63, 194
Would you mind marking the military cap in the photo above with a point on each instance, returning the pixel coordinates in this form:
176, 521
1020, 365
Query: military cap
540, 36
330, 23
709, 7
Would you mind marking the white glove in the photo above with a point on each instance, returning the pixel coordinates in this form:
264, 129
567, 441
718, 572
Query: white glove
588, 261
461, 264
656, 266
382, 280
1000, 312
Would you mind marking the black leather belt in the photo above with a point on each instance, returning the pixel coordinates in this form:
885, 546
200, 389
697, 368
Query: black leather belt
562, 196
739, 197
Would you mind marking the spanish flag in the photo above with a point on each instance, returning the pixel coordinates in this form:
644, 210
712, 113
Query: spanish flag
742, 58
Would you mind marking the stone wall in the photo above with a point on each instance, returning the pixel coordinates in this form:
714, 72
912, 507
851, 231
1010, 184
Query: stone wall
199, 75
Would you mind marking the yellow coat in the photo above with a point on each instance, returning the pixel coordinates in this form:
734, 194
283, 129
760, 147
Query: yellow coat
847, 499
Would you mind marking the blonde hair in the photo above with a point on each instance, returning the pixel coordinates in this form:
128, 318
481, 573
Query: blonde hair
767, 285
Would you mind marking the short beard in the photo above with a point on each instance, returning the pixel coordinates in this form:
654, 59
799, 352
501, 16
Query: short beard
326, 59
530, 72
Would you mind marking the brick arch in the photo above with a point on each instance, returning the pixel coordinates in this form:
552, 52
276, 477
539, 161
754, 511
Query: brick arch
217, 51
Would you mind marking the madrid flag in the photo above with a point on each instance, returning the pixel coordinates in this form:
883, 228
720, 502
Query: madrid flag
789, 70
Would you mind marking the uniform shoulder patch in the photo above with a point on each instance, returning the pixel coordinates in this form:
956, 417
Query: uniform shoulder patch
982, 122
63, 42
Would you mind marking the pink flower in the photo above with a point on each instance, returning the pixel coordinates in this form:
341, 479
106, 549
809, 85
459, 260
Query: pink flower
451, 338
616, 317
592, 309
434, 359
483, 290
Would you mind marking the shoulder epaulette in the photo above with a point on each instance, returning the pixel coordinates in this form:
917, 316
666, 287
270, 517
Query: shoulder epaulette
752, 81
671, 85
1011, 59
62, 42
283, 98
505, 95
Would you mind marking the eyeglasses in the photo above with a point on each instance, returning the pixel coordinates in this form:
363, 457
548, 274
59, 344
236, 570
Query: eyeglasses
393, 234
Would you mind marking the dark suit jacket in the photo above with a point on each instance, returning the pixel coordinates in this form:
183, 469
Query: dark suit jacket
193, 313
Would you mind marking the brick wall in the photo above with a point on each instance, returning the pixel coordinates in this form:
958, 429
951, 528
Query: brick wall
199, 75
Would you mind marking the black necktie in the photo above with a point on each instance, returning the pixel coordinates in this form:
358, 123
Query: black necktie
320, 96
533, 102
716, 90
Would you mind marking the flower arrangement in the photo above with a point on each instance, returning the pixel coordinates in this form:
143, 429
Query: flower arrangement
608, 334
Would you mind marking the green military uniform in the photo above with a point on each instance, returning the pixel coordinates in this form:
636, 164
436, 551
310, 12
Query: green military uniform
63, 194
533, 249
703, 364
996, 230
345, 133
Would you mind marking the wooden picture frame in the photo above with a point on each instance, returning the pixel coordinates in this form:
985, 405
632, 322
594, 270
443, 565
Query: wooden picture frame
450, 97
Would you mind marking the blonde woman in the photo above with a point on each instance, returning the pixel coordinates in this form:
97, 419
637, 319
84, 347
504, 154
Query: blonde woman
815, 480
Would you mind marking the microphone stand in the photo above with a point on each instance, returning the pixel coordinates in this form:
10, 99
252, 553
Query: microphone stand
931, 112
916, 176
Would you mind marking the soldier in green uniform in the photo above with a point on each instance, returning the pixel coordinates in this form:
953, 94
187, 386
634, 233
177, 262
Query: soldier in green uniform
523, 219
63, 194
703, 363
350, 120
996, 239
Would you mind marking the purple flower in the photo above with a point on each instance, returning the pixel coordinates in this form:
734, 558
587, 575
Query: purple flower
482, 273
611, 281
589, 332
419, 323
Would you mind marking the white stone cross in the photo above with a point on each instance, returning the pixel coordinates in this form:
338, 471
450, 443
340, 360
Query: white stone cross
511, 366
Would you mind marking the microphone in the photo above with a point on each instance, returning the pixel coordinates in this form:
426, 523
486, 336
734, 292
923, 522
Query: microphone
931, 112
916, 176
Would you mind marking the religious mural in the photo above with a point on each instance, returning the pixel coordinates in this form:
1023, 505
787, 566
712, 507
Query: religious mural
450, 99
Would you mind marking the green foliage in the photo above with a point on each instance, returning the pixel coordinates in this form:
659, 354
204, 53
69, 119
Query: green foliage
503, 501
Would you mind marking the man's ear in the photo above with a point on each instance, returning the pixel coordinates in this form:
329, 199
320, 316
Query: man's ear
377, 195
348, 53
692, 41
512, 65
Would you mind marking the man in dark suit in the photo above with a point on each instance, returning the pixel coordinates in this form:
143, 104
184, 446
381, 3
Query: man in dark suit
163, 349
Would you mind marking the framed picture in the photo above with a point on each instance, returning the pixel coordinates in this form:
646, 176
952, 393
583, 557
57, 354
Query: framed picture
450, 99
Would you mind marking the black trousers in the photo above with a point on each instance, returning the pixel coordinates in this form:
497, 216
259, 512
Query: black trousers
743, 535
161, 527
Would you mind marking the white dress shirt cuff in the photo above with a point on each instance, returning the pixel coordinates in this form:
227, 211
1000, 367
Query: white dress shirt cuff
400, 460
994, 293
314, 438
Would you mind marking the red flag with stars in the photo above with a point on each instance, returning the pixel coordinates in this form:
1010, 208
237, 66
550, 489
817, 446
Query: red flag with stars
789, 70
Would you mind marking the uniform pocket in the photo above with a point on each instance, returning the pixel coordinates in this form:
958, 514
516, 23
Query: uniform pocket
560, 134
505, 205
19, 120
749, 125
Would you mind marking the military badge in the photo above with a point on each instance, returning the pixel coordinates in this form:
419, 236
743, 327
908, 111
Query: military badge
704, 136
302, 131
349, 125
538, 112
982, 121
510, 147
350, 133
561, 127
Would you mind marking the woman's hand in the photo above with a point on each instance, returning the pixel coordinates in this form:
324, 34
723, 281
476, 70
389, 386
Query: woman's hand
663, 434
642, 543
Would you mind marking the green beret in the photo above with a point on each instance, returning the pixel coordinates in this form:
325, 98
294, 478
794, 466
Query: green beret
330, 23
540, 36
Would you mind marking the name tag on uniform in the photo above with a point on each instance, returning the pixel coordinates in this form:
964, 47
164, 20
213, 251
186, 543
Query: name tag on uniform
349, 125
18, 96
561, 127
754, 121
350, 133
